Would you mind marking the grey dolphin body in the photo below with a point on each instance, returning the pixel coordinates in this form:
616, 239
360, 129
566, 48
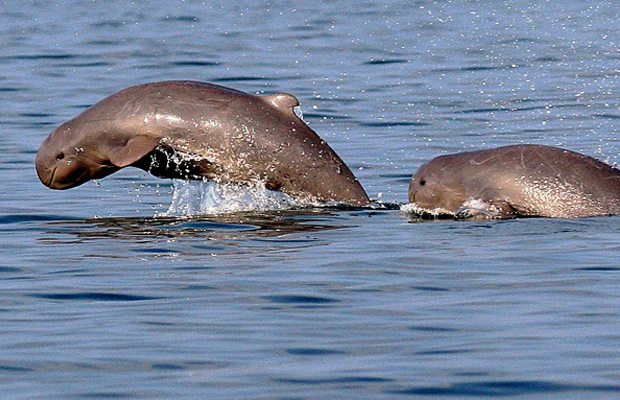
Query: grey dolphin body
519, 180
194, 130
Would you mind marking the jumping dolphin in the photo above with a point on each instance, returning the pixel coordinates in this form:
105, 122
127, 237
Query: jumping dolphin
195, 130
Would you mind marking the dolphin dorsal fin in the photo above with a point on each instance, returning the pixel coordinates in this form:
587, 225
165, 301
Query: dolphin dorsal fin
282, 101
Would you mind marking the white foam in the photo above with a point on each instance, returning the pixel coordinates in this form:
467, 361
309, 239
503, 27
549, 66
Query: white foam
415, 210
478, 209
298, 112
475, 209
201, 197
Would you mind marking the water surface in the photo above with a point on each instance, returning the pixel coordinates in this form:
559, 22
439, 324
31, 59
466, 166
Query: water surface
106, 294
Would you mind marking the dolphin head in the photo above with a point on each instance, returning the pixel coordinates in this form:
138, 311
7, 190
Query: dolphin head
81, 150
437, 186
67, 158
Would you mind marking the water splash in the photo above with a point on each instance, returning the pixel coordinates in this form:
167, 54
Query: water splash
414, 212
471, 209
298, 112
201, 197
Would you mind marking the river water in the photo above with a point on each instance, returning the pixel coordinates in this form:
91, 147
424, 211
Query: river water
139, 288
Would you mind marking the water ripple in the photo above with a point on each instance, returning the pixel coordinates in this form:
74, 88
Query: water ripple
22, 218
93, 296
384, 61
342, 380
504, 389
299, 299
195, 63
312, 352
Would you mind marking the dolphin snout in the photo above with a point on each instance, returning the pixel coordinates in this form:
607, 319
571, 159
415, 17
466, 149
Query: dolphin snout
46, 174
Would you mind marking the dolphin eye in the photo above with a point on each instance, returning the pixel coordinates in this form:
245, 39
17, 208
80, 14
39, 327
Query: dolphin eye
60, 156
422, 182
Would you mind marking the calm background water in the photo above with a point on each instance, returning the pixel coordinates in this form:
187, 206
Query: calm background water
101, 299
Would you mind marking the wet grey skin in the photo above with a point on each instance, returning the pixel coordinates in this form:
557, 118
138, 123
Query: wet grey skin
519, 180
195, 130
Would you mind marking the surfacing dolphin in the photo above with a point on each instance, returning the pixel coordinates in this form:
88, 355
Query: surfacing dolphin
195, 130
518, 180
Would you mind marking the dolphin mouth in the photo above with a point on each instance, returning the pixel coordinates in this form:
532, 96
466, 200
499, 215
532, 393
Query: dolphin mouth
49, 183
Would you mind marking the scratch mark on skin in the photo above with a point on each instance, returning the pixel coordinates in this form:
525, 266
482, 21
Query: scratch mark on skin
486, 160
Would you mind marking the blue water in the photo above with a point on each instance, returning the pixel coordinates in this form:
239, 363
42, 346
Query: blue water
105, 293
